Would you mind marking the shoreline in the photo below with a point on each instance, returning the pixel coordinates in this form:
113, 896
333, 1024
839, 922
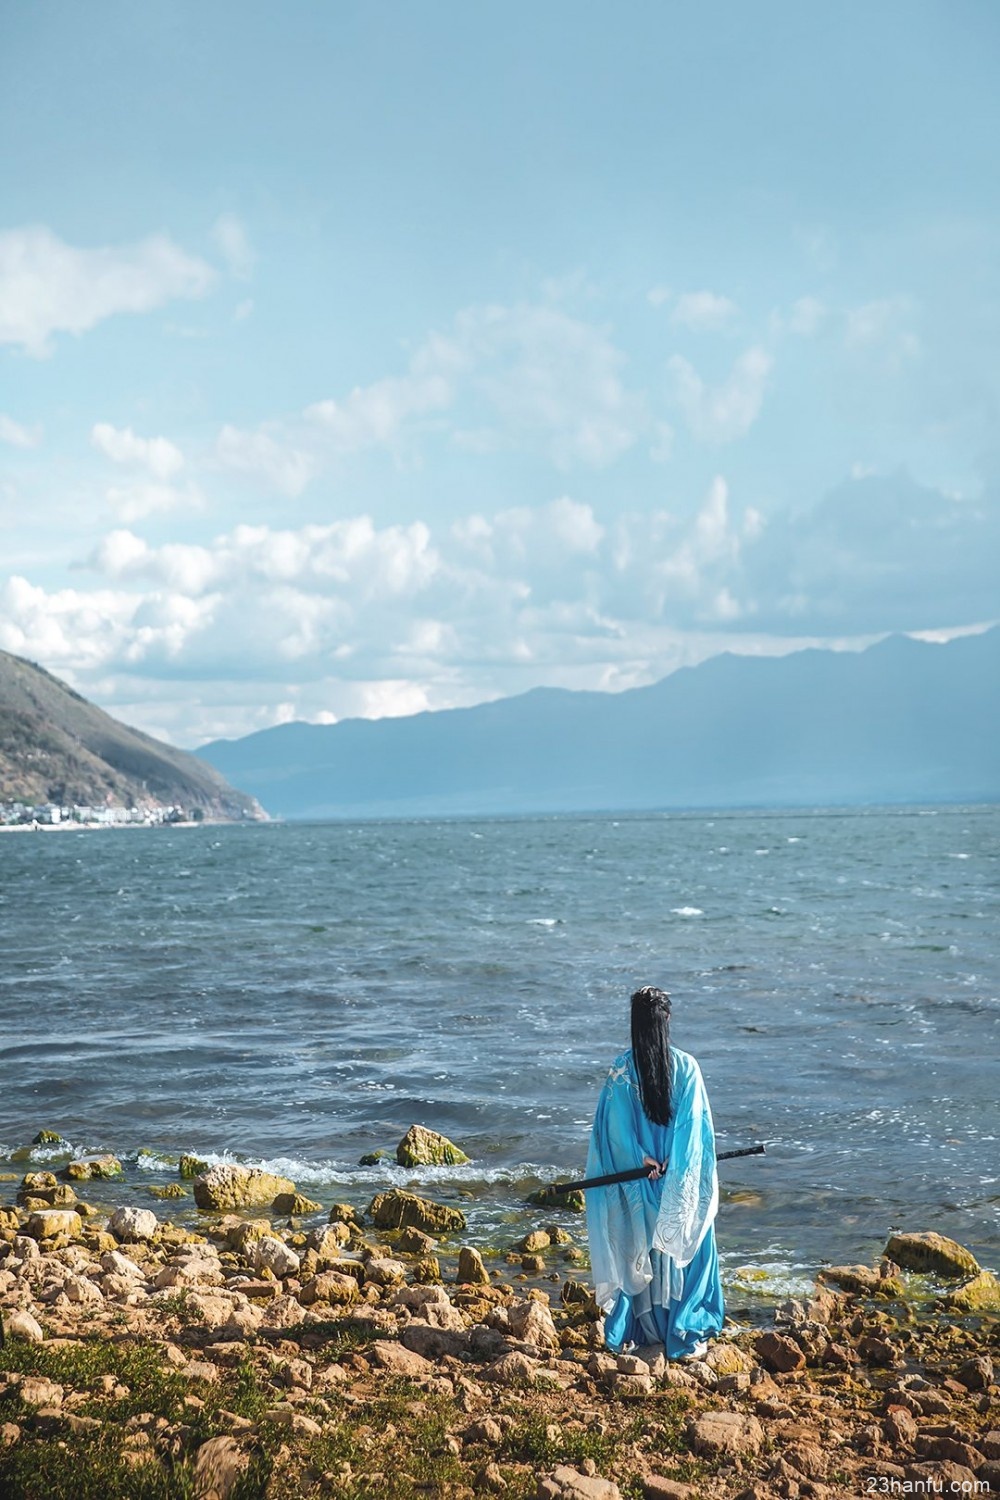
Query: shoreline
378, 1354
69, 826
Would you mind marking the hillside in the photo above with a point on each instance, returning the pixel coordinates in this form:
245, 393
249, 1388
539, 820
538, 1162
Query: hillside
905, 721
57, 747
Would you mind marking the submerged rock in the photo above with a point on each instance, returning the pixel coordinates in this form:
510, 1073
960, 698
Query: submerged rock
547, 1197
928, 1251
422, 1148
228, 1186
399, 1210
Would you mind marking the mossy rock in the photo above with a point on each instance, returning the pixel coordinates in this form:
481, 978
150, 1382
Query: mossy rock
399, 1210
51, 1222
861, 1279
176, 1234
37, 1183
471, 1270
980, 1295
95, 1166
48, 1138
170, 1190
228, 1186
928, 1251
99, 1240
372, 1158
248, 1233
191, 1166
344, 1213
547, 1197
427, 1272
426, 1148
293, 1205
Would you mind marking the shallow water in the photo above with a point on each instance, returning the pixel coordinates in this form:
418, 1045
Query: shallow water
301, 994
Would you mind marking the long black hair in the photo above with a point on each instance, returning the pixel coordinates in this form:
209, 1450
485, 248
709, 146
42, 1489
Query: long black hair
651, 1051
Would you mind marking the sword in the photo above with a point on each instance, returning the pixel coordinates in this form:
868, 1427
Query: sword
634, 1174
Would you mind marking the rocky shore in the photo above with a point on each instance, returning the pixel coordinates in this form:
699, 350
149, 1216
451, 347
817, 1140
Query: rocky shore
286, 1348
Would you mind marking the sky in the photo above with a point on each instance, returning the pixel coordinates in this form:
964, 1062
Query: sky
359, 359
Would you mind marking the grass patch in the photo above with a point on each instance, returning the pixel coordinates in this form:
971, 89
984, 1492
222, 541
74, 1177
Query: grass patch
333, 1337
102, 1464
529, 1442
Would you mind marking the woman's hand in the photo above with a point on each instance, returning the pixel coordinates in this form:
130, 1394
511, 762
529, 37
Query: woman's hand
656, 1168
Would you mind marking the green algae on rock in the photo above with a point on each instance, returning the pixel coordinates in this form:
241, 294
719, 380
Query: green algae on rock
980, 1295
426, 1148
928, 1251
547, 1197
93, 1166
396, 1209
191, 1166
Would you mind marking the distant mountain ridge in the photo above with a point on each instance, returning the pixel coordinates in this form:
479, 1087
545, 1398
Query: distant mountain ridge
904, 721
55, 747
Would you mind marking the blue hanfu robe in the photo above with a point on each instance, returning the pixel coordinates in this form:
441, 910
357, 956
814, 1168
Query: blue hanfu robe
652, 1243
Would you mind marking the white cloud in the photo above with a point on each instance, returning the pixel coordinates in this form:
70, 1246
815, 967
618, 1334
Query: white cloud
271, 460
353, 617
883, 326
374, 415
143, 497
807, 316
158, 455
658, 295
154, 461
552, 381
49, 287
17, 434
230, 239
722, 413
703, 312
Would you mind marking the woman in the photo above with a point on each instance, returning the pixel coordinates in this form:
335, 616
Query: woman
652, 1242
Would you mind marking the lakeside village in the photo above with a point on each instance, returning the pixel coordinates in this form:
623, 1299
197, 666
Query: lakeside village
52, 815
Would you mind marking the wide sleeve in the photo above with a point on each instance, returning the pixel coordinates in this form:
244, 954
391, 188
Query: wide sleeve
617, 1224
690, 1198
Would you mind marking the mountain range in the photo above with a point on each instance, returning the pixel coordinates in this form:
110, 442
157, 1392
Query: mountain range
56, 747
905, 721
